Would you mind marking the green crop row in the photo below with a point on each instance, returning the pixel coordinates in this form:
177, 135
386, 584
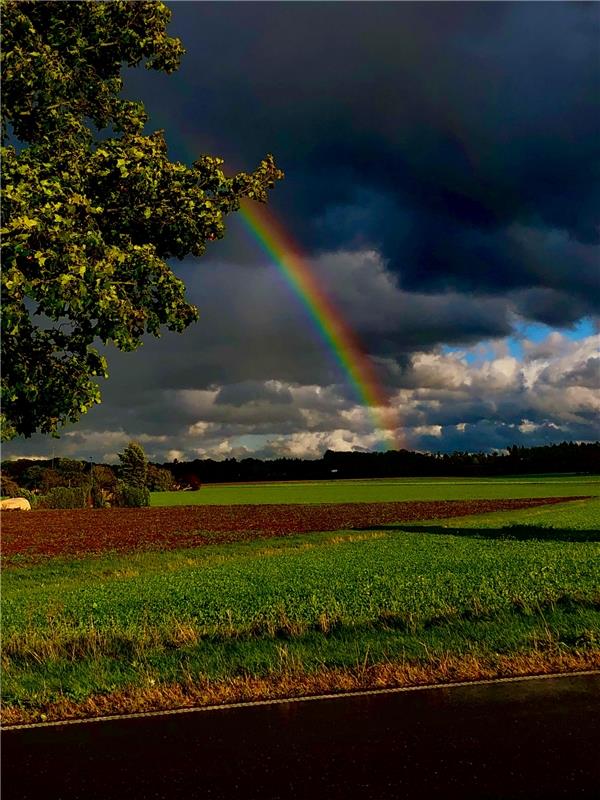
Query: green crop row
397, 578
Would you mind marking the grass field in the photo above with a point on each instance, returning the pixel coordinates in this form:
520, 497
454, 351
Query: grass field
574, 521
384, 490
480, 595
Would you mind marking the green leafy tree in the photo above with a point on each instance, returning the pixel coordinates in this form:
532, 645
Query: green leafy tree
42, 479
159, 479
51, 478
73, 473
134, 465
103, 485
92, 205
33, 477
103, 477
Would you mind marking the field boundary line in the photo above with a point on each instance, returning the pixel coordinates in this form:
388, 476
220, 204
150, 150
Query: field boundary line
303, 699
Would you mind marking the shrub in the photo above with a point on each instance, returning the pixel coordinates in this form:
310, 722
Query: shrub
97, 496
33, 498
191, 481
132, 496
63, 497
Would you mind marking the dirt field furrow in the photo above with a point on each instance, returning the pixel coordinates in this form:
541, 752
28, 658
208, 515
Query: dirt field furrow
78, 532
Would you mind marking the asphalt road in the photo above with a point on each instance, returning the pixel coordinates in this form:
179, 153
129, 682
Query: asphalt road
526, 739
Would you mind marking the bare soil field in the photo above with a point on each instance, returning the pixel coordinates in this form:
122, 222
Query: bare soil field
78, 532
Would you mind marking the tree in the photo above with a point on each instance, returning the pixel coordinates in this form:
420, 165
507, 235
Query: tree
134, 465
103, 477
8, 487
159, 479
92, 205
33, 477
51, 478
42, 479
73, 473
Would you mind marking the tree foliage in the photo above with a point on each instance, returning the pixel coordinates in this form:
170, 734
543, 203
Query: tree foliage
103, 477
129, 496
8, 487
134, 465
159, 479
92, 206
73, 472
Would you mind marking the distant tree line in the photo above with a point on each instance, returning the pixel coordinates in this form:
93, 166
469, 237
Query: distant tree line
42, 477
565, 457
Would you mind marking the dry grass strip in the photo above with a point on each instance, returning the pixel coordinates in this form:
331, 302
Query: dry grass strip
202, 692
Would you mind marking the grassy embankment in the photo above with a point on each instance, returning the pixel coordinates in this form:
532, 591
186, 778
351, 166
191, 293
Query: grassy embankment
446, 600
382, 490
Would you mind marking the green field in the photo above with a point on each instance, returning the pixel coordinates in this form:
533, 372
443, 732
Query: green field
384, 490
481, 587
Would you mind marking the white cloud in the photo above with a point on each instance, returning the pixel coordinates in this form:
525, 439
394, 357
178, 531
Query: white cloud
314, 444
200, 428
427, 430
171, 455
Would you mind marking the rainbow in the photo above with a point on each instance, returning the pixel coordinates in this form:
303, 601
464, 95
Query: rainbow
327, 320
332, 327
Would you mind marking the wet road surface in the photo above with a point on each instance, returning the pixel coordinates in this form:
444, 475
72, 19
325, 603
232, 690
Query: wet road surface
526, 739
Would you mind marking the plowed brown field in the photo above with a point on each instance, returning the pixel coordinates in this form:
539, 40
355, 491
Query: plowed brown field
77, 532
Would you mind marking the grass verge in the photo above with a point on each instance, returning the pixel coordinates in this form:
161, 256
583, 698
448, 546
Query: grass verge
204, 691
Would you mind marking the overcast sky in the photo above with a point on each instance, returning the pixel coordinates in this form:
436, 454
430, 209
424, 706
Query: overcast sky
442, 178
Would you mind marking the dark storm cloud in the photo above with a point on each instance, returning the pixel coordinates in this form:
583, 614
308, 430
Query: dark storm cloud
441, 168
436, 132
239, 394
253, 332
251, 328
554, 308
